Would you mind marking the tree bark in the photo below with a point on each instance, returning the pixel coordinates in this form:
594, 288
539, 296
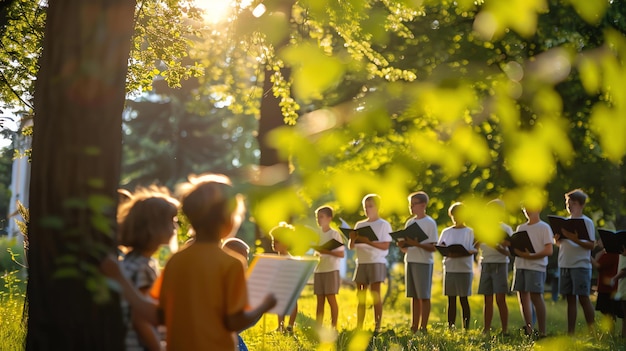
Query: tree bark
76, 156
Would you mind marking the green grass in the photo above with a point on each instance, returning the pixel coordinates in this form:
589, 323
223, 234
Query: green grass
12, 332
396, 334
396, 322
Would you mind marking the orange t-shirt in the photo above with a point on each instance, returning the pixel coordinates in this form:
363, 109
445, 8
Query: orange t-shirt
198, 288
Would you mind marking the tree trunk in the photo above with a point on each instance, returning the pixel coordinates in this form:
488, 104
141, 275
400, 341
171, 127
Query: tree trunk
76, 156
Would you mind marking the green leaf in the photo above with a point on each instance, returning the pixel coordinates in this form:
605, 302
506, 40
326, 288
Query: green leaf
591, 11
315, 71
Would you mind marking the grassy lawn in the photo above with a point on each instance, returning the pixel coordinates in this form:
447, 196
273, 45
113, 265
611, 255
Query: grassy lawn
395, 335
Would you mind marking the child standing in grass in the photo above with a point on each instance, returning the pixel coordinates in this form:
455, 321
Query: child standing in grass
418, 261
371, 261
575, 262
202, 291
145, 222
281, 236
326, 279
494, 274
530, 271
457, 268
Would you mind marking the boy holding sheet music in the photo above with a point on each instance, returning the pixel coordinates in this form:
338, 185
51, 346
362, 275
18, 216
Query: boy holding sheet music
371, 259
457, 266
418, 261
494, 273
530, 270
326, 278
202, 279
575, 262
202, 292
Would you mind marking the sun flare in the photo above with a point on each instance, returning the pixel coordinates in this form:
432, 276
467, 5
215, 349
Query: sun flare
214, 10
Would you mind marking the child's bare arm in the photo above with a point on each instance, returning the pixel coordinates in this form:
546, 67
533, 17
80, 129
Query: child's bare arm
245, 319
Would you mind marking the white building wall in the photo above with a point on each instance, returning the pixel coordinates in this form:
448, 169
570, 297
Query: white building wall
20, 184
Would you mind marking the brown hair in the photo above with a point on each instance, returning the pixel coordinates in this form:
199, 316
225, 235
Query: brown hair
577, 195
208, 202
372, 197
420, 195
144, 216
327, 210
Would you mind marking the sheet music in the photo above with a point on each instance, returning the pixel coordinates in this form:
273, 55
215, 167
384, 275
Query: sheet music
284, 276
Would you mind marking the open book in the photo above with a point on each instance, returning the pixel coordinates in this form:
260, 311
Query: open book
521, 241
574, 225
614, 242
283, 276
363, 231
414, 231
457, 249
329, 245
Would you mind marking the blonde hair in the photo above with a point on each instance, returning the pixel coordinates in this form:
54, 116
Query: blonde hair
145, 216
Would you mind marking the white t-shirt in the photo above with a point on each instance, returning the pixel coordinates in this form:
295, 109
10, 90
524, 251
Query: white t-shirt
369, 254
572, 255
329, 263
463, 236
490, 254
540, 235
417, 254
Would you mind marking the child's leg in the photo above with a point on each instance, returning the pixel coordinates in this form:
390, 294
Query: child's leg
451, 311
572, 309
319, 311
540, 309
378, 305
292, 317
555, 287
588, 311
361, 290
488, 312
281, 323
425, 309
466, 311
334, 310
415, 314
503, 309
526, 309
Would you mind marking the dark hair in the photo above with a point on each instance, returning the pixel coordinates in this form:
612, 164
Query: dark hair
327, 210
420, 195
144, 216
208, 202
372, 197
577, 195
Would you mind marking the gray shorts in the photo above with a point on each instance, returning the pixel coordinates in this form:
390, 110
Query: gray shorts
368, 273
529, 281
575, 281
418, 280
457, 284
326, 283
493, 279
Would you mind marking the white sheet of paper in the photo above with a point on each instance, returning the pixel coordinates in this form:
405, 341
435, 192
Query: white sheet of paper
283, 276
